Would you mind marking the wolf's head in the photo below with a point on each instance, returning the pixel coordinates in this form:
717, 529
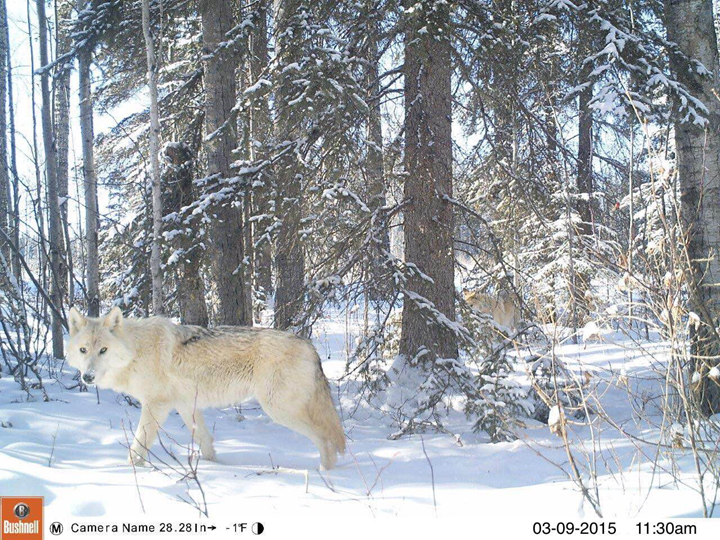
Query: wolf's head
478, 301
96, 346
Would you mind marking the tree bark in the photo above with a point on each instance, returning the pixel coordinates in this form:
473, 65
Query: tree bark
289, 256
374, 164
152, 74
226, 250
38, 202
5, 197
92, 218
585, 152
690, 25
584, 205
244, 153
585, 127
190, 286
428, 164
56, 241
15, 213
62, 131
260, 134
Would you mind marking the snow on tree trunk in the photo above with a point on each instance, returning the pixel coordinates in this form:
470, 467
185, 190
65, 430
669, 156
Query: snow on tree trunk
152, 75
87, 134
697, 139
226, 249
429, 302
56, 240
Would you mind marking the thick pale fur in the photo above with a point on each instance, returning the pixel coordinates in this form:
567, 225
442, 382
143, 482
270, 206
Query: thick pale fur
501, 308
169, 366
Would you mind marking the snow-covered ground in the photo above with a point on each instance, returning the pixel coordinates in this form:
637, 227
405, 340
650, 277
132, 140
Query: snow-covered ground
72, 451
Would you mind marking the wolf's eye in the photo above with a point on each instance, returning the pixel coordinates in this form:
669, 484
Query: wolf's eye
83, 350
103, 350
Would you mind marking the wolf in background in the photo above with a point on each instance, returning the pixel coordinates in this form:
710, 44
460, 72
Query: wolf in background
500, 307
189, 368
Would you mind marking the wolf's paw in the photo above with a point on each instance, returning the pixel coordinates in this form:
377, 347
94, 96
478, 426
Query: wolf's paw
209, 454
135, 459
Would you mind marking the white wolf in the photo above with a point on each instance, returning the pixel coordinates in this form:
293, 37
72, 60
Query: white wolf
169, 366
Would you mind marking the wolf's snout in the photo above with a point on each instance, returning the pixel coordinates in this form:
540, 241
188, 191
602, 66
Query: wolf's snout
88, 377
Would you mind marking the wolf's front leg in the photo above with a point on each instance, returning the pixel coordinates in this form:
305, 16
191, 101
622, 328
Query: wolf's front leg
151, 419
193, 418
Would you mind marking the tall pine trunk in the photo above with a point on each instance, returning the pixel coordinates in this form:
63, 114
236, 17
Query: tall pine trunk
55, 222
92, 218
152, 75
584, 182
260, 135
374, 164
62, 134
585, 151
190, 287
226, 250
15, 214
428, 165
289, 256
244, 153
5, 196
690, 26
38, 201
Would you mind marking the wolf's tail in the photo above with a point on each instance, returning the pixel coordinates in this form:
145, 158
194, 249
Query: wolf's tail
325, 416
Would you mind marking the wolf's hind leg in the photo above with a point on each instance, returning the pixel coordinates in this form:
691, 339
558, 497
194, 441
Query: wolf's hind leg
151, 418
193, 418
299, 421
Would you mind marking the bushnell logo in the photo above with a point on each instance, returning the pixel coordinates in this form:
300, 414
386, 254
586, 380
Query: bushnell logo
22, 518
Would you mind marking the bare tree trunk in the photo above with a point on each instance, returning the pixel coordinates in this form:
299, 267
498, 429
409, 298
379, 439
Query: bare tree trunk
56, 241
584, 205
38, 203
374, 165
15, 225
585, 126
289, 256
690, 25
260, 133
585, 155
92, 217
428, 164
245, 154
155, 268
5, 197
190, 286
226, 250
62, 130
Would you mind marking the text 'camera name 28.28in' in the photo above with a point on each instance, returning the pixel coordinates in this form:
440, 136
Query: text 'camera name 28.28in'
162, 528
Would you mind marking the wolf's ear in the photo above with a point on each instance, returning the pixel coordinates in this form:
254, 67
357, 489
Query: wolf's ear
76, 321
113, 320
